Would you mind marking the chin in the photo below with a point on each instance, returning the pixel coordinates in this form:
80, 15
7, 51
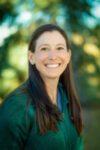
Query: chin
53, 77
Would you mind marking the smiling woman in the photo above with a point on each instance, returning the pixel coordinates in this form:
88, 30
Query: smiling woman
44, 112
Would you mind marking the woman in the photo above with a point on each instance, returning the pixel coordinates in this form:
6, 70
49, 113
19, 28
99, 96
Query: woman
44, 113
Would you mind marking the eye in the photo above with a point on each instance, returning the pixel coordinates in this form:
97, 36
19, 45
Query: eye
44, 48
60, 48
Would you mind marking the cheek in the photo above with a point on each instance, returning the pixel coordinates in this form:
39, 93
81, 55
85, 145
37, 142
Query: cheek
40, 57
63, 56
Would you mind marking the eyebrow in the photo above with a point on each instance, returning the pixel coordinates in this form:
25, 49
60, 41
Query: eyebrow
48, 45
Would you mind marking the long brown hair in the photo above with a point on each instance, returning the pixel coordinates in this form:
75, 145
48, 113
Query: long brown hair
47, 114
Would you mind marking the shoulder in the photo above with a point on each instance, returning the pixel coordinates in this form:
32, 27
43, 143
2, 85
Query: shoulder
15, 109
21, 90
18, 96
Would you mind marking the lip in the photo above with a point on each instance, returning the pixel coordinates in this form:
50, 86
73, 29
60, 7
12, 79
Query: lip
53, 64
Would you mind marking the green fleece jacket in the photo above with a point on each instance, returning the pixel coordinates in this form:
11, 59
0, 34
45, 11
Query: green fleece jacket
19, 129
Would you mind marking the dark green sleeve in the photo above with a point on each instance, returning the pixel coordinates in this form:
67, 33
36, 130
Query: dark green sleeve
13, 126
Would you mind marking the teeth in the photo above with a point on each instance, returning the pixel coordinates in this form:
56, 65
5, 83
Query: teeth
52, 66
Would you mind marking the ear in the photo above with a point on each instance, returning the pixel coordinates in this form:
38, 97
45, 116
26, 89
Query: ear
69, 56
31, 57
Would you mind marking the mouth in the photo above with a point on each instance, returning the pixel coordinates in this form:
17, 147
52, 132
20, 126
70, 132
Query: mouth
52, 65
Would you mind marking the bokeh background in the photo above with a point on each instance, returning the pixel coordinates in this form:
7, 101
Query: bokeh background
81, 21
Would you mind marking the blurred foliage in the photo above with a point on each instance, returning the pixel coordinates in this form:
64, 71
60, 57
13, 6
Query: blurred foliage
70, 15
18, 19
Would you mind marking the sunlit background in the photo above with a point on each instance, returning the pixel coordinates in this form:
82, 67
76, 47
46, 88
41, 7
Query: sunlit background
81, 21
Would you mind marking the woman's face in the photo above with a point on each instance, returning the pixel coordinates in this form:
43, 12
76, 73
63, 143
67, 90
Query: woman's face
51, 56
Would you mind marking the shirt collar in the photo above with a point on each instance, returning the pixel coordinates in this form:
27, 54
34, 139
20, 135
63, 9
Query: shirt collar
63, 93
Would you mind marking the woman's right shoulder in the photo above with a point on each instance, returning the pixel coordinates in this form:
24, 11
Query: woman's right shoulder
16, 112
20, 94
16, 104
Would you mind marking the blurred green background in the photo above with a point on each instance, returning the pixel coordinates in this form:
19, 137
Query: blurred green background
81, 21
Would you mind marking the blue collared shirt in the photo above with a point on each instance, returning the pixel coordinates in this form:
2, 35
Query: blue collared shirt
59, 100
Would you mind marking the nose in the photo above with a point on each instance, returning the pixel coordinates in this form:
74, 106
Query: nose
52, 54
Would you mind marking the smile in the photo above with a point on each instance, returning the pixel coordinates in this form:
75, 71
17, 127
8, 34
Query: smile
52, 65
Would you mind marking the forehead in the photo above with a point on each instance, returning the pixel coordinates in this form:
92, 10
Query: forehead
53, 37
